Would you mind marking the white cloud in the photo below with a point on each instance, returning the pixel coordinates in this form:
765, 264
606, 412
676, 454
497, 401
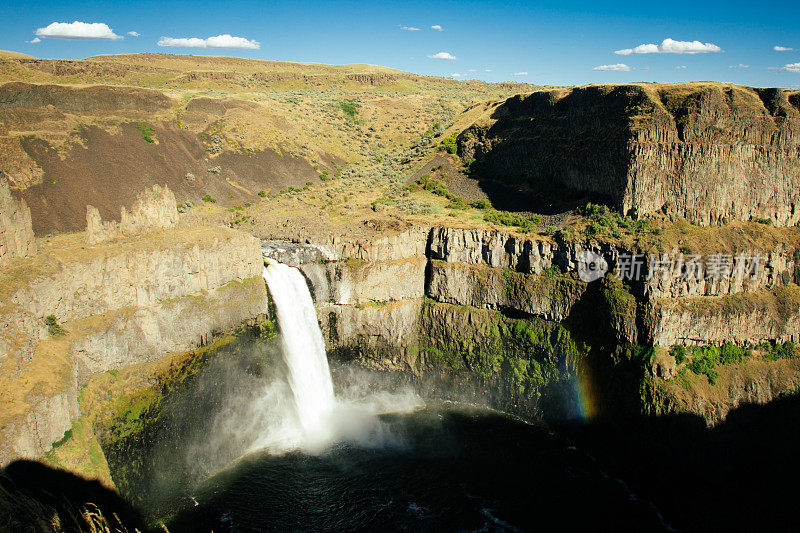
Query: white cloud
670, 46
442, 55
455, 75
519, 73
218, 41
34, 40
782, 49
739, 66
791, 67
641, 49
619, 67
437, 27
77, 30
681, 67
133, 33
409, 28
488, 70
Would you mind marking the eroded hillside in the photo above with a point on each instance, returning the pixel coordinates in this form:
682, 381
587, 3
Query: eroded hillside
225, 129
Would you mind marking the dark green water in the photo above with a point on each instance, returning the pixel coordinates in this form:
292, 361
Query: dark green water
442, 468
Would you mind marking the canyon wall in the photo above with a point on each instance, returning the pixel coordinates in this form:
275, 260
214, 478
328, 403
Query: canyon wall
74, 310
711, 153
427, 312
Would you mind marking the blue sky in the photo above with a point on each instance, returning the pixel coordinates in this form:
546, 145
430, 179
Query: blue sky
541, 43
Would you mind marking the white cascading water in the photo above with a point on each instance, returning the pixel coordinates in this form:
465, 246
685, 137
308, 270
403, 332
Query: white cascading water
303, 346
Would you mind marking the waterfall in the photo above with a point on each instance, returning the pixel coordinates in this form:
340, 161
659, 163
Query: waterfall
303, 347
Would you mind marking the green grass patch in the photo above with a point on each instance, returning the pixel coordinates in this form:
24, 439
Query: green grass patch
604, 221
147, 132
525, 223
350, 109
64, 439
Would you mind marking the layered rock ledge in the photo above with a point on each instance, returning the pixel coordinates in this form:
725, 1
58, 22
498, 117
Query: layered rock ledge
711, 153
73, 310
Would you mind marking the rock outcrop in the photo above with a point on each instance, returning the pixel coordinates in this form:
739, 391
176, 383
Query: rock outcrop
743, 319
154, 208
711, 153
16, 232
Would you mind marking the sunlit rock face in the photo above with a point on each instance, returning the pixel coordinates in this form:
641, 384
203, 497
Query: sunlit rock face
118, 303
16, 233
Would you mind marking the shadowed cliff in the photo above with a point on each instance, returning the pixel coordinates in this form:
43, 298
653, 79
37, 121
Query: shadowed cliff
733, 477
711, 153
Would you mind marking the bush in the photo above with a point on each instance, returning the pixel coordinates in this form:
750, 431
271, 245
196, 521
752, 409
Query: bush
704, 361
262, 193
185, 206
457, 203
147, 132
470, 167
603, 220
450, 144
679, 353
481, 204
775, 351
731, 354
350, 109
504, 218
53, 328
208, 198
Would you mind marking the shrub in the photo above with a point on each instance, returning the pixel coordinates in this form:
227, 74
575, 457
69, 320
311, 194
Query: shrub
53, 328
679, 353
470, 167
450, 144
704, 361
731, 354
603, 220
457, 203
262, 193
185, 206
350, 109
147, 132
208, 198
504, 218
775, 351
481, 204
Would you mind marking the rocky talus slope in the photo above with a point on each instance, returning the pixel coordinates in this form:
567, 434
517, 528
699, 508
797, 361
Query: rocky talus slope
710, 153
74, 310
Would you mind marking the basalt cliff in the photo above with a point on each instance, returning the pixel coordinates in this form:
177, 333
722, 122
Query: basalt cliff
710, 153
78, 308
